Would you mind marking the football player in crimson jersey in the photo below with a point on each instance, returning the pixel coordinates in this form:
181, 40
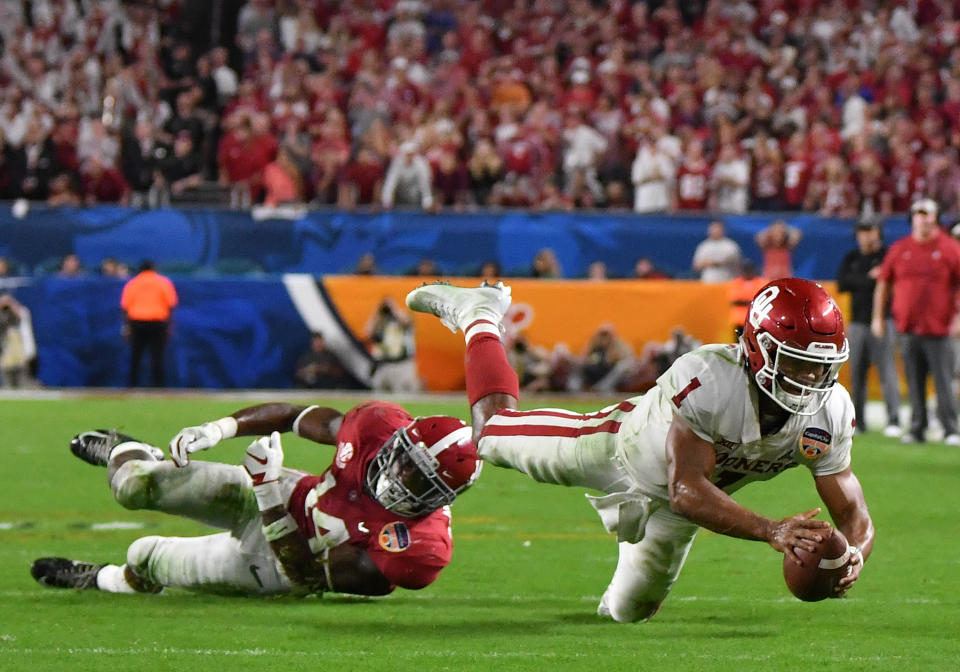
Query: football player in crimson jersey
376, 519
666, 462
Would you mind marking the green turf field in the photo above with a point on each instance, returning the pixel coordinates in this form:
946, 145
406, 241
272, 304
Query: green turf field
530, 564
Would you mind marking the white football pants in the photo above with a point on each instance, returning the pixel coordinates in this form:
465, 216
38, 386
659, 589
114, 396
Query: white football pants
567, 448
238, 561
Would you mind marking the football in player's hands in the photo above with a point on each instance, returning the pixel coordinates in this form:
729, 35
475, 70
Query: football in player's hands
817, 577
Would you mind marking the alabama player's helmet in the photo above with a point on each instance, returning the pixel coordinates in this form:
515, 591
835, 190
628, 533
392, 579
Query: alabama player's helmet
424, 466
794, 342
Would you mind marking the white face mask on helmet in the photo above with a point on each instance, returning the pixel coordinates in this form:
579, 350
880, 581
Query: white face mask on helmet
800, 381
795, 343
424, 466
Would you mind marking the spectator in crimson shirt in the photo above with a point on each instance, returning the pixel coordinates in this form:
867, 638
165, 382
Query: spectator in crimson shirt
450, 183
922, 271
645, 269
231, 155
361, 179
832, 192
693, 178
766, 185
796, 173
873, 186
245, 150
907, 179
777, 242
102, 183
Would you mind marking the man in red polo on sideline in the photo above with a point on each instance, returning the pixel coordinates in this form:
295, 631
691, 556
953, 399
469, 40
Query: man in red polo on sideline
148, 299
922, 272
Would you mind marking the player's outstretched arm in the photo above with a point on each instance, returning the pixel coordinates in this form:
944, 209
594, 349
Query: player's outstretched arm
311, 422
844, 499
690, 463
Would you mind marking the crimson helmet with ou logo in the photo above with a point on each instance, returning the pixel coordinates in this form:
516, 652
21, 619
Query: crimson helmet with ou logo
424, 466
794, 342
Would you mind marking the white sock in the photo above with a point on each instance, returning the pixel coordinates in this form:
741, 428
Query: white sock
110, 579
149, 452
481, 326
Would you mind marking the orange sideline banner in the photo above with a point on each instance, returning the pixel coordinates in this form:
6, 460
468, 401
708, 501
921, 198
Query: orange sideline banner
549, 312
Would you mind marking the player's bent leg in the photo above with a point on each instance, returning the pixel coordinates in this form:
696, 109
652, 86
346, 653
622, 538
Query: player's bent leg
219, 495
647, 570
131, 450
219, 563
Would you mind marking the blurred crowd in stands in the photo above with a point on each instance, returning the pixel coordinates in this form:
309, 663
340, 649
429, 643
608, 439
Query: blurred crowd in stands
842, 107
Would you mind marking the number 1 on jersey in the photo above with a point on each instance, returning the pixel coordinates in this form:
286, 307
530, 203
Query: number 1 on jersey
678, 398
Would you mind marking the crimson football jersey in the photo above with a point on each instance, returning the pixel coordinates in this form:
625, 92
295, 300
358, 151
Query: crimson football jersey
796, 177
334, 508
692, 182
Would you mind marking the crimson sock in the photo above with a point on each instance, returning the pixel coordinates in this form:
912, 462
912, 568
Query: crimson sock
487, 368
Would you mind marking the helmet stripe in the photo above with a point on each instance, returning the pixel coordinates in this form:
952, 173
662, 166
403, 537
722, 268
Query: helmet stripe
451, 439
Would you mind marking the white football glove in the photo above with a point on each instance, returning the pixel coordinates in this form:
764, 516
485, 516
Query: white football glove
264, 461
194, 439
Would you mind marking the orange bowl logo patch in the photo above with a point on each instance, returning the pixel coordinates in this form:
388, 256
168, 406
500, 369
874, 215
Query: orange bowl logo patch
395, 537
815, 442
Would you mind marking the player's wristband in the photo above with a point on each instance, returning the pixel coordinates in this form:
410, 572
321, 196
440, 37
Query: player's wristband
296, 422
268, 495
227, 427
279, 528
855, 551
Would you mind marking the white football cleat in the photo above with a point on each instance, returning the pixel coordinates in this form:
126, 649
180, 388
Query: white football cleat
97, 445
459, 307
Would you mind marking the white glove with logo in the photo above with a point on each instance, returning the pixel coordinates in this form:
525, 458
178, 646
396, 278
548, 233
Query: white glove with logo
194, 439
263, 461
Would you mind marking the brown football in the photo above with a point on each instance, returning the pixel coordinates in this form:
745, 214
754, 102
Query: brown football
815, 579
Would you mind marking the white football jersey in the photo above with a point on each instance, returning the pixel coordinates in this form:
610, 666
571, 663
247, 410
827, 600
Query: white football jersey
710, 389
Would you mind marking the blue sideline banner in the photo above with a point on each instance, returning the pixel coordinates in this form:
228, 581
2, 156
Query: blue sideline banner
226, 334
212, 241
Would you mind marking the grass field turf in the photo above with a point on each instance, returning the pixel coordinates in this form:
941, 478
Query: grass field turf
530, 564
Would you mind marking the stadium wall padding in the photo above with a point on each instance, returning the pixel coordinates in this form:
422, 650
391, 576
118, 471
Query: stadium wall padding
247, 333
331, 242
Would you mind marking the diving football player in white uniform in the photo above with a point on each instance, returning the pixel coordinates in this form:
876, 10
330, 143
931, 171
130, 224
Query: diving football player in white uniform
721, 417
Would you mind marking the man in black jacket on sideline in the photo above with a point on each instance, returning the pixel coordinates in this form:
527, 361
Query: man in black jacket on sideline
857, 275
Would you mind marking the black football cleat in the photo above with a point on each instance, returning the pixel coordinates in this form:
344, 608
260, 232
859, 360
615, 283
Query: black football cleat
94, 446
65, 573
